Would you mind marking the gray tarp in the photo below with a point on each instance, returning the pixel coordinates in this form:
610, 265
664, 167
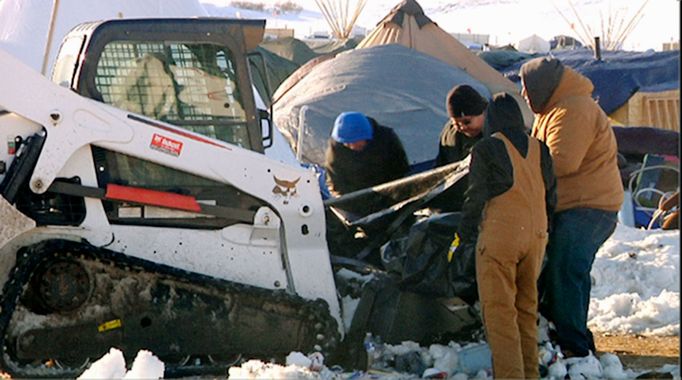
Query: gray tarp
399, 87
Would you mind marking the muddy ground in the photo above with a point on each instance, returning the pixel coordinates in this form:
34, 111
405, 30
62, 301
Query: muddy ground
639, 352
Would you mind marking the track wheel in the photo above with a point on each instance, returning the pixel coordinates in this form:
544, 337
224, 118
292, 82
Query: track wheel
60, 286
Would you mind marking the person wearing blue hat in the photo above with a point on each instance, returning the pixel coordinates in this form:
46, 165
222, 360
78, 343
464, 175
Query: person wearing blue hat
361, 154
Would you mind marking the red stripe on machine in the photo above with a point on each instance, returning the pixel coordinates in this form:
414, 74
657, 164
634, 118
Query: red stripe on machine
177, 131
152, 197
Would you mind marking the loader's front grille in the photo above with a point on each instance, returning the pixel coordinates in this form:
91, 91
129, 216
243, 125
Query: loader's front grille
191, 85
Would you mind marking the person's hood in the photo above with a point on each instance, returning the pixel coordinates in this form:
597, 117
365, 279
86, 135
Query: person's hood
540, 77
572, 84
503, 115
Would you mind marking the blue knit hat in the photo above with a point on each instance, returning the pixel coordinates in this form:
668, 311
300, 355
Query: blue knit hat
351, 127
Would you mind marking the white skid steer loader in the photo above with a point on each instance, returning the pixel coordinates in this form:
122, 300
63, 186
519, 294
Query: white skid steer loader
138, 210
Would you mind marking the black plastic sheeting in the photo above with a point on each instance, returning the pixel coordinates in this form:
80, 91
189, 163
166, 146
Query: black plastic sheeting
647, 140
635, 143
617, 76
360, 222
421, 259
414, 249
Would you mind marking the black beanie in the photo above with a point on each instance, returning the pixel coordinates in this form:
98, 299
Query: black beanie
463, 100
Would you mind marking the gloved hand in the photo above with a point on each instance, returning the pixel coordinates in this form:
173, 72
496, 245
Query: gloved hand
462, 269
453, 247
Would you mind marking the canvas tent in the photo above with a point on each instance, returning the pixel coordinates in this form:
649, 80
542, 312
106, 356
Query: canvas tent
379, 81
406, 24
290, 48
533, 44
277, 69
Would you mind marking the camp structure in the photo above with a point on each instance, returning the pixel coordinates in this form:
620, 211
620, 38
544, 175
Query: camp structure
533, 44
398, 86
268, 71
290, 48
406, 24
639, 89
341, 16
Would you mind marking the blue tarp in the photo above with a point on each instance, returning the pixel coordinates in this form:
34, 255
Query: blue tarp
616, 77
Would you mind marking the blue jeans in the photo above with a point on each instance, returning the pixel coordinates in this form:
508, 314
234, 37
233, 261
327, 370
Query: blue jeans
565, 282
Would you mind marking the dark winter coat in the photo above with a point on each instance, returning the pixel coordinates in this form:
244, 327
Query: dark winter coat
453, 147
382, 160
491, 172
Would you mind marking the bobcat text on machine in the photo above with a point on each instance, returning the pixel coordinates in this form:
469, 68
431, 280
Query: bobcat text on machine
138, 210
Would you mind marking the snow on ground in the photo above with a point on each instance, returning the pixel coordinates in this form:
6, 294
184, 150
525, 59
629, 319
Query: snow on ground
635, 289
113, 366
636, 283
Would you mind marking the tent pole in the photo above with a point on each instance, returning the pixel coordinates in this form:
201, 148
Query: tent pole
50, 35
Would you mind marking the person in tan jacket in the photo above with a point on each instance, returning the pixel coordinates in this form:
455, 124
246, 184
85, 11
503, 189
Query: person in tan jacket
589, 192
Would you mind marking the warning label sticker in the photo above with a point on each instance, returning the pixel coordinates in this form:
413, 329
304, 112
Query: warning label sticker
166, 145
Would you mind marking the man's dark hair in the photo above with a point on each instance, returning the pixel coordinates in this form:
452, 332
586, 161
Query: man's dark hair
463, 100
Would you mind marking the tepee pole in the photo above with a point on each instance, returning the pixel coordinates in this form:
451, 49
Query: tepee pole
50, 36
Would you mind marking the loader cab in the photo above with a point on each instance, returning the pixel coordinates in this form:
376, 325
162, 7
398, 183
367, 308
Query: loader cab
192, 73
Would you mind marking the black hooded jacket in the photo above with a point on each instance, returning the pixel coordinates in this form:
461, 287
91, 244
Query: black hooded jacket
454, 146
382, 160
491, 171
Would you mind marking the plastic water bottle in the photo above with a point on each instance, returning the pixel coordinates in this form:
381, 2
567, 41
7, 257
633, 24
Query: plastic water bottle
375, 351
370, 349
475, 358
626, 214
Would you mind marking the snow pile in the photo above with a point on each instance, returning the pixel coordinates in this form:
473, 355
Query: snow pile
636, 287
410, 361
298, 366
113, 366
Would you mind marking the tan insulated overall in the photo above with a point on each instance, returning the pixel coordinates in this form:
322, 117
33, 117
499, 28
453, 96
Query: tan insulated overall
509, 253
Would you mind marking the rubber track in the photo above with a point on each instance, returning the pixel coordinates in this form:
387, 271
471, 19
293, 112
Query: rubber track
28, 259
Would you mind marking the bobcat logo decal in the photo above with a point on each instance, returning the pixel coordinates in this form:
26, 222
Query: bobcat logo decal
285, 189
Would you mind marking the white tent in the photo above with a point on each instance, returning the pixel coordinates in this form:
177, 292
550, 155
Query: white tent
533, 44
31, 28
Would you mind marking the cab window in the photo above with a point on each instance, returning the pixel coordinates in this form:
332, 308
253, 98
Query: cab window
192, 85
